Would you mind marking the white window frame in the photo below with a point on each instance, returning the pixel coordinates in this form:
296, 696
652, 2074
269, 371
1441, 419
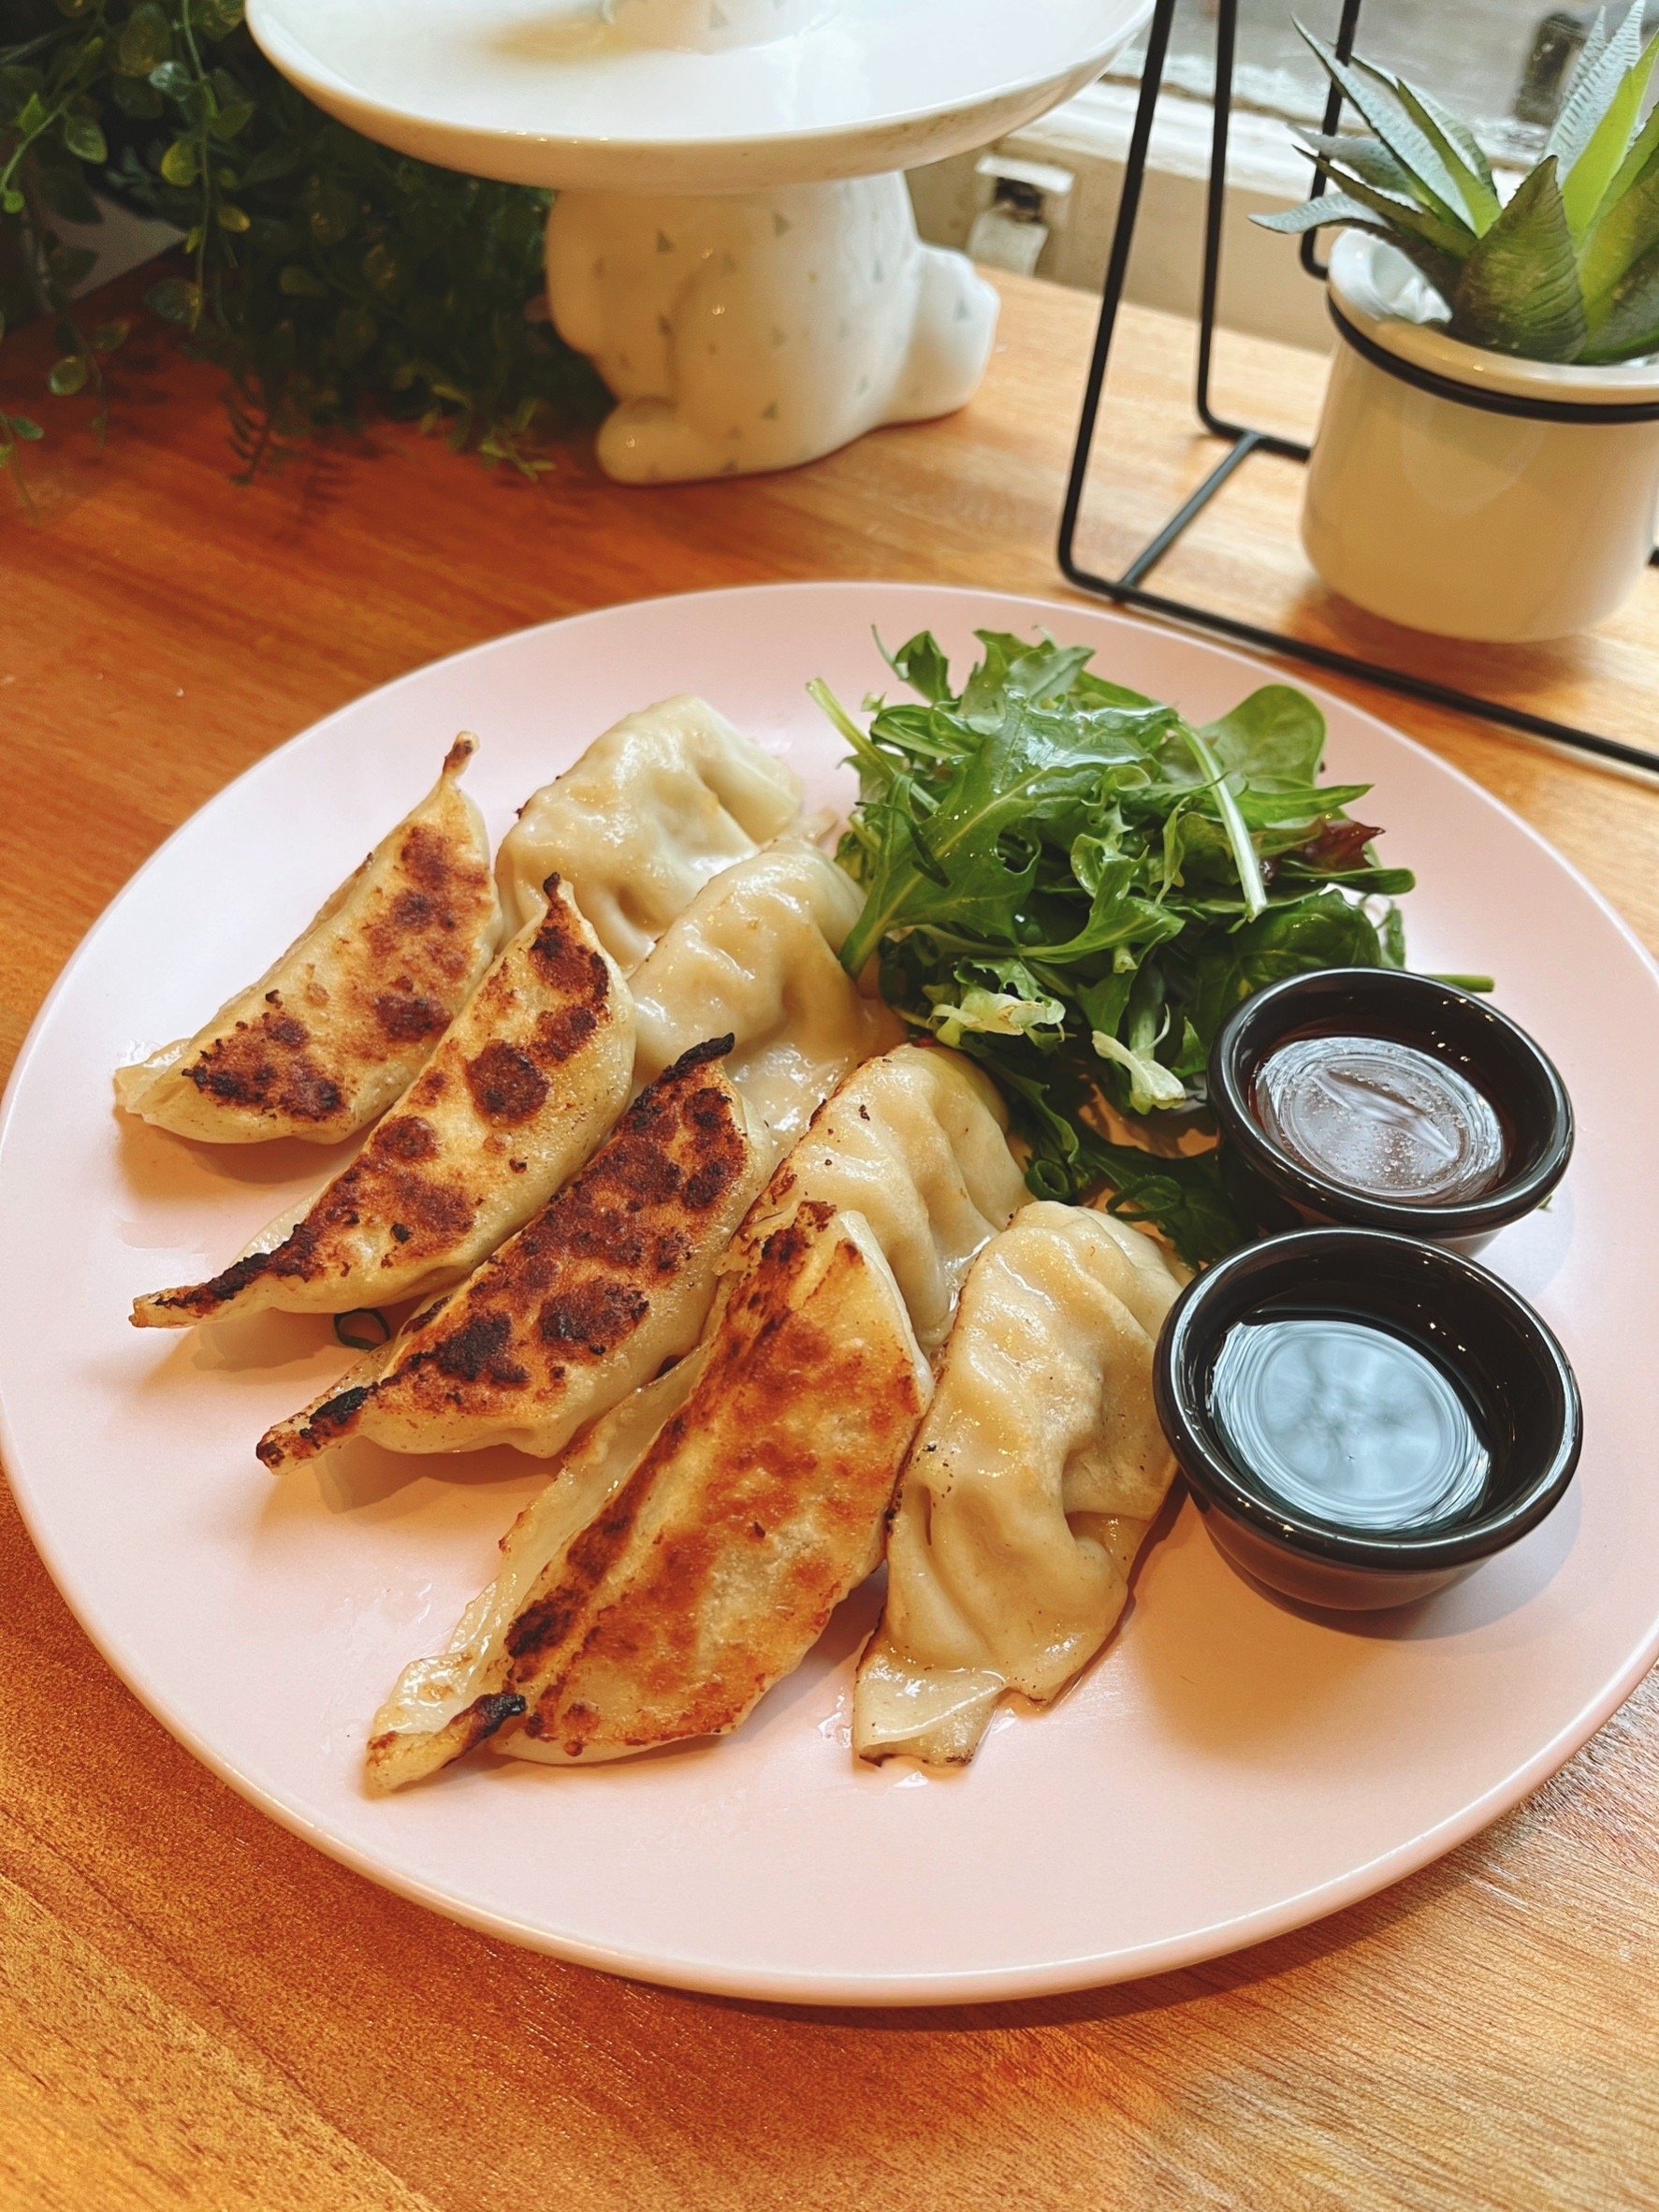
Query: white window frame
1263, 288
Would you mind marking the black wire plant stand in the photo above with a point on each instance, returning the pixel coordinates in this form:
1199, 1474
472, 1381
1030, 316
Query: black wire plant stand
1128, 587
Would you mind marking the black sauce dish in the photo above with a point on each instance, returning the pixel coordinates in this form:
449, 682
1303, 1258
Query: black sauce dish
1274, 1191
1512, 1372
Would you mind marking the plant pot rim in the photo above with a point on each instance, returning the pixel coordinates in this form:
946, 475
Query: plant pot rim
1379, 293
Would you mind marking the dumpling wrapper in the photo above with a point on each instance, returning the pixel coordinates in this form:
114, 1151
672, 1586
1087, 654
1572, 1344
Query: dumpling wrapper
1029, 1489
343, 1022
617, 1273
916, 1142
610, 1280
654, 808
526, 1080
930, 1166
755, 954
695, 1542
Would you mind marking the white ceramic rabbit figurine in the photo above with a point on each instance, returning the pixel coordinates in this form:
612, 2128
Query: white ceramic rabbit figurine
760, 329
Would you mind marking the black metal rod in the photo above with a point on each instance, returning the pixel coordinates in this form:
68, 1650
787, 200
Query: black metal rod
1478, 397
1346, 32
1125, 590
1215, 219
1150, 555
1117, 267
1394, 679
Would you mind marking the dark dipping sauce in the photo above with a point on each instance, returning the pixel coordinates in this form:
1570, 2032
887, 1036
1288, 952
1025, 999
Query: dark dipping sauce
1348, 1422
1381, 1118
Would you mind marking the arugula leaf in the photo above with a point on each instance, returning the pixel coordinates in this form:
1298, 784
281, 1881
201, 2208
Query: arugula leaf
1075, 886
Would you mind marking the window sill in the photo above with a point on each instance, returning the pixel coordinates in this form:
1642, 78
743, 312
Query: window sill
1263, 288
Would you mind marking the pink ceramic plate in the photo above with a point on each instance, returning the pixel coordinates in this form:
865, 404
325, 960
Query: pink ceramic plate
1230, 1769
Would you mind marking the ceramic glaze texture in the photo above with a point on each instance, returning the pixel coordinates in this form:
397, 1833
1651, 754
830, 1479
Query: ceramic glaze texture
1456, 520
707, 26
757, 331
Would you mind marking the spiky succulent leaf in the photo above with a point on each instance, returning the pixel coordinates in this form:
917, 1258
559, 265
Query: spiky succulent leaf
1641, 152
1519, 290
1595, 46
1458, 134
1619, 238
1451, 242
1595, 87
1378, 101
1458, 147
1592, 175
1366, 158
1627, 323
1331, 207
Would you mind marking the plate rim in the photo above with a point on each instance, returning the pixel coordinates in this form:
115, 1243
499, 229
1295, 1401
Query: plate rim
784, 1984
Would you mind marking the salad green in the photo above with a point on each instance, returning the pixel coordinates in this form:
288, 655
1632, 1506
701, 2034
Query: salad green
1075, 886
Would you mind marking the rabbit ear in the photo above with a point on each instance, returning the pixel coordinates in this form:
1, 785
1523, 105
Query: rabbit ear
526, 1081
330, 1036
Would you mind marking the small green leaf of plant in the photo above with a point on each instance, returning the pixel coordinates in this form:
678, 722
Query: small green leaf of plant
84, 140
175, 299
1518, 291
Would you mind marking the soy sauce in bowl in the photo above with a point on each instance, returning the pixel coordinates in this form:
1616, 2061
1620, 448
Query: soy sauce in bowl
1348, 1422
1380, 1116
1362, 1418
1374, 1098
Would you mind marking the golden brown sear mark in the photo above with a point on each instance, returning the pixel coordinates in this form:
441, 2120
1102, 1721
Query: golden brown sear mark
264, 1065
583, 1273
507, 1087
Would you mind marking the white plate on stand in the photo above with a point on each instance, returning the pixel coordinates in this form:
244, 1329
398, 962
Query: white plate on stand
1228, 1771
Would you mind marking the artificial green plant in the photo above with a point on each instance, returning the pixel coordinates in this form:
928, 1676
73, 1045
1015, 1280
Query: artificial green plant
1564, 268
329, 277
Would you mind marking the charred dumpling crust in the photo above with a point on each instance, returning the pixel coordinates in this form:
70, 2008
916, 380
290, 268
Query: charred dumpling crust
716, 1568
611, 1278
698, 1539
338, 1027
526, 1080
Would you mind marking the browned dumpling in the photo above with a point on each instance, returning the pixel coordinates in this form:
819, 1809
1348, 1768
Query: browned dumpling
526, 1080
692, 1541
607, 1283
503, 1360
695, 1541
345, 1021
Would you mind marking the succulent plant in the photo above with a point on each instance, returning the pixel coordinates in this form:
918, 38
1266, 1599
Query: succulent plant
1565, 268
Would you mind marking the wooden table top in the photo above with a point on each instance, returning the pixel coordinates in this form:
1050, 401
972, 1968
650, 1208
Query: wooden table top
195, 2007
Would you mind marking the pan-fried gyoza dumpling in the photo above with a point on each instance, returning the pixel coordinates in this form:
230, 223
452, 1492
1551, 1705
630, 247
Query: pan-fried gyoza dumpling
616, 1273
915, 1142
340, 1026
930, 1167
610, 1280
528, 1079
652, 809
1029, 1488
695, 1541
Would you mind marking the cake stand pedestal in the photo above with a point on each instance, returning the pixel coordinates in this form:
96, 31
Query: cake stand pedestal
733, 244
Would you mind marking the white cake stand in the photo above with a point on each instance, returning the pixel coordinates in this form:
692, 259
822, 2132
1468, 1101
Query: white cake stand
733, 244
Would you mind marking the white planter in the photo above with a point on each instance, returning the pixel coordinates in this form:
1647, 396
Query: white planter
1452, 519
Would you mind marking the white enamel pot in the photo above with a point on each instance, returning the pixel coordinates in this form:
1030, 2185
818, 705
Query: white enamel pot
1464, 518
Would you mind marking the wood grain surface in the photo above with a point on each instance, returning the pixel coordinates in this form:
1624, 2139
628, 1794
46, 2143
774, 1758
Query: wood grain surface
197, 2010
